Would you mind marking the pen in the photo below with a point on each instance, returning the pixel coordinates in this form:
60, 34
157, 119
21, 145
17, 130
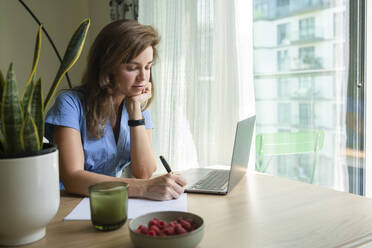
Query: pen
165, 163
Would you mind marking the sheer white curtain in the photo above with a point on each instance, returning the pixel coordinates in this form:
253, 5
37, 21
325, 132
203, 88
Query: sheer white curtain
199, 92
339, 180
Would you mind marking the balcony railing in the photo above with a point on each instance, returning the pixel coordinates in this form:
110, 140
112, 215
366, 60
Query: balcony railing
295, 6
310, 63
296, 37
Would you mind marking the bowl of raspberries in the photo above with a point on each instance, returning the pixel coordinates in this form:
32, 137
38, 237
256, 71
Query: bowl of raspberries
167, 229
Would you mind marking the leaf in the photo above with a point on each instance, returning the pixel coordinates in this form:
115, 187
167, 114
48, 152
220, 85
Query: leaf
34, 65
37, 110
11, 113
2, 142
2, 137
27, 96
2, 82
72, 53
29, 135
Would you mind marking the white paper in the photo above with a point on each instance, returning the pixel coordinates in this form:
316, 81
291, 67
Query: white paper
136, 207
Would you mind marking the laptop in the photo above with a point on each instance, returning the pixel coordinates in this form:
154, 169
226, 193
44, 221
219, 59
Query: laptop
222, 181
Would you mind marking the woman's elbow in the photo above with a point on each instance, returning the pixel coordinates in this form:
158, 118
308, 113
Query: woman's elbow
72, 186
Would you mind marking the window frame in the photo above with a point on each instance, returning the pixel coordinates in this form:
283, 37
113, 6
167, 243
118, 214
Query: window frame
357, 37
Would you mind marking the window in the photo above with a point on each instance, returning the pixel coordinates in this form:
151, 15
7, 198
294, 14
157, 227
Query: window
306, 53
305, 86
311, 78
283, 60
337, 50
304, 168
283, 87
307, 59
283, 33
304, 114
261, 9
338, 21
307, 28
281, 3
284, 113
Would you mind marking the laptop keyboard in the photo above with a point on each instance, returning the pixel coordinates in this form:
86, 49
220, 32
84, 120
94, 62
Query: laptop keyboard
214, 180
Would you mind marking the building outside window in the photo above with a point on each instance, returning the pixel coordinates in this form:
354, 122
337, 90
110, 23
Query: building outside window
280, 3
306, 86
310, 46
307, 28
283, 88
283, 33
261, 9
307, 57
304, 118
283, 60
284, 113
338, 18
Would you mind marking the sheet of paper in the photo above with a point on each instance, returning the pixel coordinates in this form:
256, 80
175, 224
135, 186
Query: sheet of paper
136, 207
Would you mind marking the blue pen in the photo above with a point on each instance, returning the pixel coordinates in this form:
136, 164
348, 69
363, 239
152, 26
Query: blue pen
165, 164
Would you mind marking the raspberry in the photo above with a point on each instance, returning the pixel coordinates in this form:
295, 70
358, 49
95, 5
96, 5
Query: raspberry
154, 221
161, 224
172, 223
169, 230
161, 228
179, 229
191, 221
155, 229
144, 230
140, 227
185, 224
194, 226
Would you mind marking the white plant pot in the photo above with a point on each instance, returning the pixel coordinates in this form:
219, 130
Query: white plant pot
29, 196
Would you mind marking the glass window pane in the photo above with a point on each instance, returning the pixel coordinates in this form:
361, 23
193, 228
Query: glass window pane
306, 90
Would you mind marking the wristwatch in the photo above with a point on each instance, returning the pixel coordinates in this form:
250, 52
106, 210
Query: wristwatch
134, 123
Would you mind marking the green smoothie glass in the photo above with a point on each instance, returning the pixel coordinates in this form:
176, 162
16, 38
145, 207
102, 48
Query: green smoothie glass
108, 205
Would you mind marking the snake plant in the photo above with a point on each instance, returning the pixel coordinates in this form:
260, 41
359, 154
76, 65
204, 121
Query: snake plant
22, 117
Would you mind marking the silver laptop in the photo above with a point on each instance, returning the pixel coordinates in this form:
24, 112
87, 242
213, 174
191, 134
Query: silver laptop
220, 181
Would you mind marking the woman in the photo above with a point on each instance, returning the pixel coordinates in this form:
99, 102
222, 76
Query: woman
104, 125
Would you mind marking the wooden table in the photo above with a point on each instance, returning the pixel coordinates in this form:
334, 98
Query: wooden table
262, 211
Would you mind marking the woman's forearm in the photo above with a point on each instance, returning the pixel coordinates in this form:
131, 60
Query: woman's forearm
143, 162
79, 182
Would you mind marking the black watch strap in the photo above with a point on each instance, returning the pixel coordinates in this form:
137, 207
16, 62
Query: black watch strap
134, 123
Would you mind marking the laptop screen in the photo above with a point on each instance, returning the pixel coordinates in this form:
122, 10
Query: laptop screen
241, 151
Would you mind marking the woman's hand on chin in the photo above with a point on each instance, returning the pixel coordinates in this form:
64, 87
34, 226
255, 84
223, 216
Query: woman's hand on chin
136, 103
144, 96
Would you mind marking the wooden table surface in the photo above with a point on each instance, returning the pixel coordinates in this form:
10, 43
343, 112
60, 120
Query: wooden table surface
262, 211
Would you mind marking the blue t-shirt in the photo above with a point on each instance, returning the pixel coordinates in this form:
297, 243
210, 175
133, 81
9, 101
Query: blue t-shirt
103, 155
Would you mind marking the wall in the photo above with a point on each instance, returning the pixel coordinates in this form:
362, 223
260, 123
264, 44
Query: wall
60, 18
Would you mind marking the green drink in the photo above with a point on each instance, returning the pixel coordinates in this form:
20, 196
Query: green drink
108, 205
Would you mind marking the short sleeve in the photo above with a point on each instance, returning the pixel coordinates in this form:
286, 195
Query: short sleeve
148, 121
66, 111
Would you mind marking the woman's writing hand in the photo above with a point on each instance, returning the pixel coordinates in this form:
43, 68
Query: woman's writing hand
167, 187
